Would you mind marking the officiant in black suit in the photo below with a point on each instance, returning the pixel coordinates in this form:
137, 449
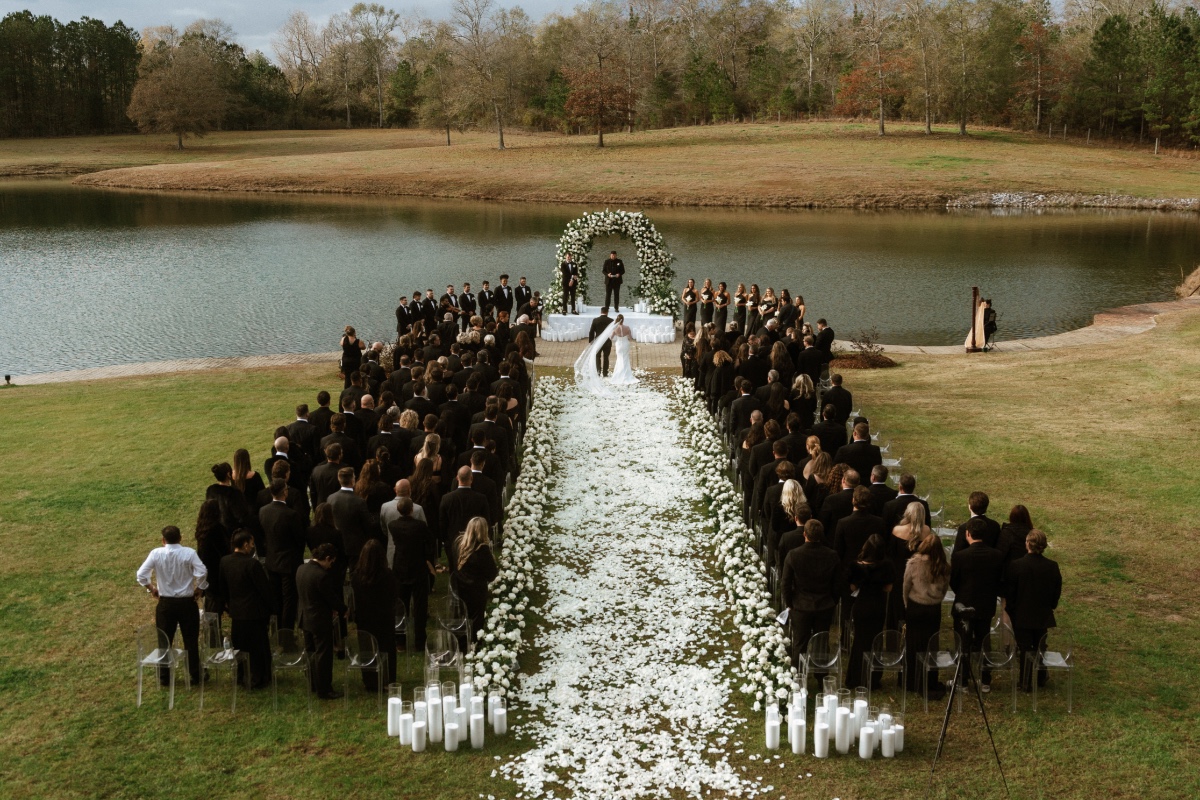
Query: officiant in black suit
569, 271
614, 273
599, 324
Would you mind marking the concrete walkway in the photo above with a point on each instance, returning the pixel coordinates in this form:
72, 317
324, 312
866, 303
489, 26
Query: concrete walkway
1108, 326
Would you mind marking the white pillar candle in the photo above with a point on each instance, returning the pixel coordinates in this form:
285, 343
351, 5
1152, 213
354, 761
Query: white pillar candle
477, 705
450, 735
866, 742
449, 709
393, 716
419, 711
501, 720
435, 721
773, 733
797, 733
860, 715
773, 712
418, 737
822, 718
465, 693
433, 694
821, 740
841, 730
477, 731
899, 731
492, 702
406, 728
889, 743
831, 705
885, 721
463, 718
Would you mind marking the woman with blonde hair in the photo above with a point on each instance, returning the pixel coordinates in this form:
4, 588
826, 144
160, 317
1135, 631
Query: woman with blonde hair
475, 569
430, 450
804, 399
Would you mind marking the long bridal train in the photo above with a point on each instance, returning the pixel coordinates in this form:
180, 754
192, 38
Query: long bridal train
588, 376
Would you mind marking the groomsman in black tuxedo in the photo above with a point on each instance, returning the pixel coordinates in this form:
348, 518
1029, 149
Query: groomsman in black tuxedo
569, 271
503, 297
486, 299
449, 301
429, 310
403, 316
523, 293
466, 302
598, 326
614, 274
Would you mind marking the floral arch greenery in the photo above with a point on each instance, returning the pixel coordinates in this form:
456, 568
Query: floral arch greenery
656, 274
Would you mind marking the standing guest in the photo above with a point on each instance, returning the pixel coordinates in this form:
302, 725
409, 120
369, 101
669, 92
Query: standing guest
475, 568
1013, 533
800, 309
351, 517
458, 508
390, 511
427, 493
351, 453
741, 300
812, 585
804, 400
799, 514
976, 577
689, 298
810, 361
786, 313
245, 479
413, 561
989, 531
708, 298
852, 531
324, 481
569, 272
370, 488
781, 362
860, 454
403, 317
839, 398
320, 420
247, 595
894, 510
352, 349
304, 433
523, 294
1033, 588
320, 600
721, 308
179, 578
831, 433
824, 340
374, 590
926, 578
614, 273
235, 512
212, 544
871, 577
284, 535
880, 491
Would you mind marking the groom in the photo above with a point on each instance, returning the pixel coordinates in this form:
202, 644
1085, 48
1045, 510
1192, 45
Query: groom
598, 325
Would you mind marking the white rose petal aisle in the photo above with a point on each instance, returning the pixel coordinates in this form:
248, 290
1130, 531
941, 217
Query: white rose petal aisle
632, 695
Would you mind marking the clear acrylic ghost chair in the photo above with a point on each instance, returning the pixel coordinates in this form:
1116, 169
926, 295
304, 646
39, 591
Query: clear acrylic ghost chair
886, 655
442, 655
403, 636
451, 615
363, 655
822, 656
943, 653
1000, 655
215, 659
893, 458
154, 652
288, 655
1055, 653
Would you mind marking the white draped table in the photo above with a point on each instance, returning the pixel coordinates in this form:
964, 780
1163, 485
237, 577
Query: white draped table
647, 328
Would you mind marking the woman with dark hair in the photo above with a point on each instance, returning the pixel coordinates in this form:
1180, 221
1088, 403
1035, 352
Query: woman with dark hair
374, 590
777, 405
800, 309
786, 314
926, 579
235, 512
687, 351
1013, 533
689, 299
871, 576
721, 308
755, 436
707, 298
753, 301
370, 488
704, 360
352, 353
741, 299
782, 363
389, 473
247, 481
426, 493
525, 346
212, 544
475, 569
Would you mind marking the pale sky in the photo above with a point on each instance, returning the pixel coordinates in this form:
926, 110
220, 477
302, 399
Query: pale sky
254, 22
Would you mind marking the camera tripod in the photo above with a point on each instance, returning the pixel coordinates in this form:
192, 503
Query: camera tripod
966, 622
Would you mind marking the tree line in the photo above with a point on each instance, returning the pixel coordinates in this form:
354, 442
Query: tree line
1121, 69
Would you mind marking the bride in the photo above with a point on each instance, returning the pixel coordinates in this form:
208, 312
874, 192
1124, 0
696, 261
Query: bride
586, 373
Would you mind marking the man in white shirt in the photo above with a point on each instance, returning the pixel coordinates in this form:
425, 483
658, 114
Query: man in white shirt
179, 578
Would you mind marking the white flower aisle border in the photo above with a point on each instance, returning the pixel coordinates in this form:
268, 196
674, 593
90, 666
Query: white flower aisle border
656, 273
495, 659
766, 667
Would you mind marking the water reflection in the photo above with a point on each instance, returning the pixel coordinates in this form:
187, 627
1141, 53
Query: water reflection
114, 277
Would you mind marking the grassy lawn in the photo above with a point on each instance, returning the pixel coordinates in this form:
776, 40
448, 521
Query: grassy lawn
1096, 441
821, 164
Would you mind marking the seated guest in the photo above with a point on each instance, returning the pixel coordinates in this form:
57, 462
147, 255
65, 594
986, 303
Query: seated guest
926, 578
248, 597
374, 590
475, 569
1033, 587
179, 578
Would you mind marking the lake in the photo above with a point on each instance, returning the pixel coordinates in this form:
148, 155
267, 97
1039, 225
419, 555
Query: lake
90, 277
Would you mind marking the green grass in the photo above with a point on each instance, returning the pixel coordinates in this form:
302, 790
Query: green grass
1098, 442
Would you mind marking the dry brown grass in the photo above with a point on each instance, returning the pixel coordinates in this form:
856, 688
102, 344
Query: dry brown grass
820, 164
1190, 286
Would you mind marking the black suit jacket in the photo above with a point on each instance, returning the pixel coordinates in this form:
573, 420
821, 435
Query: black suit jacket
831, 434
351, 454
491, 466
797, 445
894, 510
323, 482
860, 456
523, 294
824, 342
246, 592
503, 298
457, 509
852, 533
320, 420
415, 545
283, 534
882, 494
991, 536
466, 301
490, 490
976, 576
617, 267
834, 508
840, 399
353, 520
755, 369
319, 598
304, 433
813, 578
810, 362
1032, 588
598, 325
741, 409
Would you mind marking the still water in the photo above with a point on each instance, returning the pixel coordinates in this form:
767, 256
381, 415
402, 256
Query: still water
91, 277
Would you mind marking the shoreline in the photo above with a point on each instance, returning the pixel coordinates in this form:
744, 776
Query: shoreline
1107, 326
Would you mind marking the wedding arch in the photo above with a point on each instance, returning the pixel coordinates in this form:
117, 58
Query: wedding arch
654, 287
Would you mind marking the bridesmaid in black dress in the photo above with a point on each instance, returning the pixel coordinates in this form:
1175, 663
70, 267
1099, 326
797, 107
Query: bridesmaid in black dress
689, 298
721, 308
799, 304
767, 306
752, 316
707, 297
352, 350
740, 301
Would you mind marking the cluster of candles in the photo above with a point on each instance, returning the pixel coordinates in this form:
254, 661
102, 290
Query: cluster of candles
840, 721
447, 713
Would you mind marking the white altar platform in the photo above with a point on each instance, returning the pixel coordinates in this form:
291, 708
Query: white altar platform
646, 328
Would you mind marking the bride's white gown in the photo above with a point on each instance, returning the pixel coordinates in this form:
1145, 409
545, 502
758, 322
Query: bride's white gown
623, 369
586, 374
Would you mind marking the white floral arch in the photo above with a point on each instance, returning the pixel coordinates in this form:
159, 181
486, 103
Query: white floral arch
656, 273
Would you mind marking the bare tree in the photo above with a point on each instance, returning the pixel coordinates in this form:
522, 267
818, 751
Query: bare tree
432, 53
961, 23
342, 61
299, 49
876, 18
600, 25
477, 37
919, 18
813, 24
179, 88
376, 27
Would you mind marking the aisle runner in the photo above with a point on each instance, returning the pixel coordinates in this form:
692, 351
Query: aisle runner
631, 696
